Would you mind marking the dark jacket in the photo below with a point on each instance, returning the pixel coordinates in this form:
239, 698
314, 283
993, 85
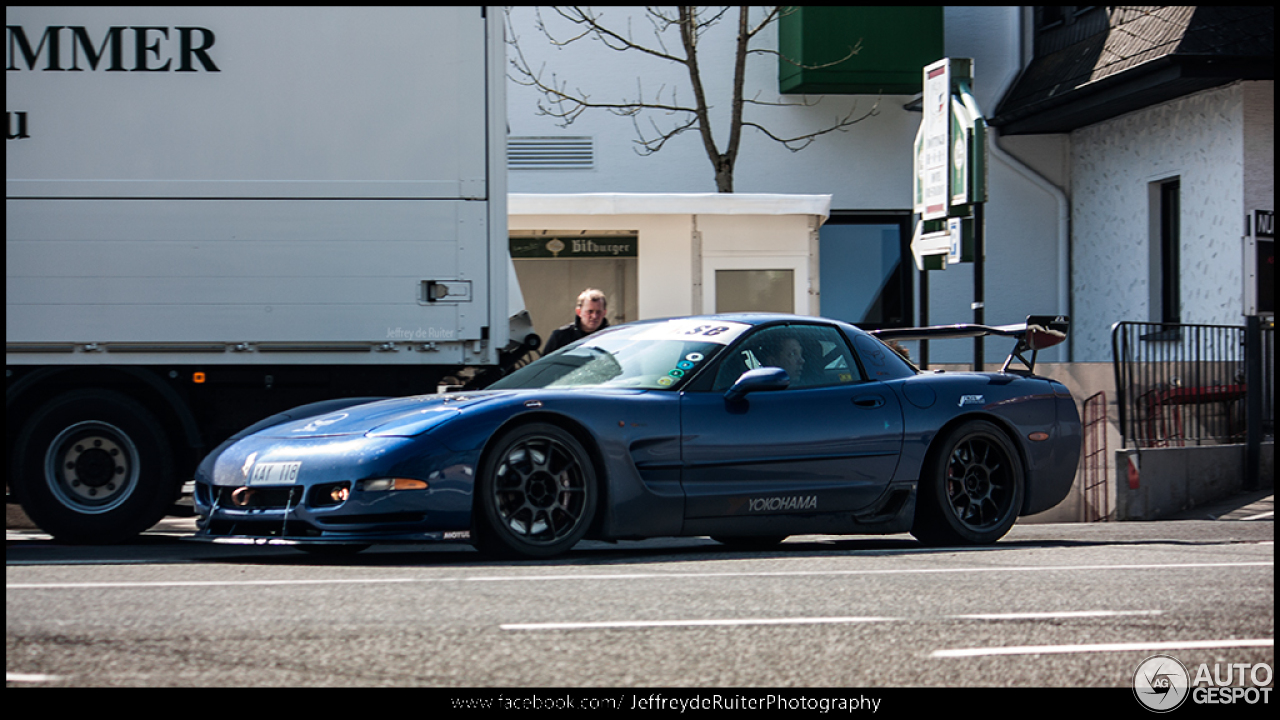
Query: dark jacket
566, 334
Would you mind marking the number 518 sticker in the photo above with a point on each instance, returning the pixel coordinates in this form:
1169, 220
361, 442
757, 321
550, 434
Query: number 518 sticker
721, 333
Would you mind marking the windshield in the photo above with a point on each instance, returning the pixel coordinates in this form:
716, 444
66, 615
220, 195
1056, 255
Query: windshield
651, 356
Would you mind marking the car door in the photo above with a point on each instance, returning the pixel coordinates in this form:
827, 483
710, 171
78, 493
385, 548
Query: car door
828, 443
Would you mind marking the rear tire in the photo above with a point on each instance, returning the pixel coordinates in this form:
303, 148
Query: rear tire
536, 494
972, 488
93, 466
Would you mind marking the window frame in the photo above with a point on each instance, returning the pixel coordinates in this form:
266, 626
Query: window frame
906, 272
709, 379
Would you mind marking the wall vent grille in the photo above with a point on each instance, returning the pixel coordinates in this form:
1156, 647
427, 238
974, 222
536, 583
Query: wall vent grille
550, 153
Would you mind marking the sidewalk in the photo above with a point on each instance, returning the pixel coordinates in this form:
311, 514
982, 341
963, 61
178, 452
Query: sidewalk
1252, 505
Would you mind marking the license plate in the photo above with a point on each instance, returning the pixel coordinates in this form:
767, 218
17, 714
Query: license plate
279, 473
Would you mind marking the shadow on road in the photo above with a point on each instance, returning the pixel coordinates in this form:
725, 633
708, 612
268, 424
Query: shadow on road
174, 544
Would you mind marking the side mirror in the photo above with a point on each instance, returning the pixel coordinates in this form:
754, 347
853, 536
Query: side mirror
758, 380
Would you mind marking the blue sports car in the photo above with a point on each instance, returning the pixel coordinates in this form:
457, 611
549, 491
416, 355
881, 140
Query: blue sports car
746, 428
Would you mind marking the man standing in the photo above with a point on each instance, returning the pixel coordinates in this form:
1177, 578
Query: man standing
590, 318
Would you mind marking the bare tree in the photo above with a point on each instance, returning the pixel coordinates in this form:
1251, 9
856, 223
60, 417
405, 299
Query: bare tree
566, 105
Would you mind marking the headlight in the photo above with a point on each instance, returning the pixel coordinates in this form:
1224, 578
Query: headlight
385, 484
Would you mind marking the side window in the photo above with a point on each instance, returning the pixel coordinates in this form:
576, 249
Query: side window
881, 360
813, 355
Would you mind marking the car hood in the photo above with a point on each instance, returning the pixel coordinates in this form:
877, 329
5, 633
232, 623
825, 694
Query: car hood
394, 417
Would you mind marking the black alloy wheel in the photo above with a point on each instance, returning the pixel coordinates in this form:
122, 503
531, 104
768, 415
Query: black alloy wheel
972, 490
536, 494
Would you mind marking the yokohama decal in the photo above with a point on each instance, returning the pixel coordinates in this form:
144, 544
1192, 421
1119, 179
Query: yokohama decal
774, 504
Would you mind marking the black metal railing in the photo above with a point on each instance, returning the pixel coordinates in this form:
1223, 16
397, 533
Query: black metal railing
1093, 460
1183, 385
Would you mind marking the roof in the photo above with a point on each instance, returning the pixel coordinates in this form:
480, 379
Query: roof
667, 204
1119, 59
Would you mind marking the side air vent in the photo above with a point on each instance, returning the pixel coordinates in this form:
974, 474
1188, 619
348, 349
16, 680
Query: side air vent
550, 153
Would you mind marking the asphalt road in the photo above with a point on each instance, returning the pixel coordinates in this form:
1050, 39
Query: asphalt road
1068, 605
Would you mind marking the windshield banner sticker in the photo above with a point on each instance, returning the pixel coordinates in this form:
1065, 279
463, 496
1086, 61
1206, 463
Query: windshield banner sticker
721, 333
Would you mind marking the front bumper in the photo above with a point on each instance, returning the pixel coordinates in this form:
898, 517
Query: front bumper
322, 501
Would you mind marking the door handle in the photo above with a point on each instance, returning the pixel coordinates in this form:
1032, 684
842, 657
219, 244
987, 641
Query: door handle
869, 401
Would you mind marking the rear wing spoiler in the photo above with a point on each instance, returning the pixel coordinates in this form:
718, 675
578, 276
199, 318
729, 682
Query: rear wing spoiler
1037, 333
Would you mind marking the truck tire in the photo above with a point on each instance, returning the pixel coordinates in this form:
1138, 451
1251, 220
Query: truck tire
93, 466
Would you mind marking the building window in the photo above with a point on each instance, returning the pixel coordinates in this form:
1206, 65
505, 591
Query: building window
867, 270
1166, 254
755, 291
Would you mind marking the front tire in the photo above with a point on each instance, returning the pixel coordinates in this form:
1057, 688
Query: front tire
972, 489
93, 466
536, 495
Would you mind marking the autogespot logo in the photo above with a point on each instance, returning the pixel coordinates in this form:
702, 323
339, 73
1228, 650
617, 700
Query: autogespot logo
1161, 683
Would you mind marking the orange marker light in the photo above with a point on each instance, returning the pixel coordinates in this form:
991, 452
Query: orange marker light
197, 378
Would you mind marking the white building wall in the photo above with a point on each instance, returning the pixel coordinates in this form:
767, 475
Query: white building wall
866, 168
684, 239
1199, 139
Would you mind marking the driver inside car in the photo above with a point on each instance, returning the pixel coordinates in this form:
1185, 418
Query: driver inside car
787, 354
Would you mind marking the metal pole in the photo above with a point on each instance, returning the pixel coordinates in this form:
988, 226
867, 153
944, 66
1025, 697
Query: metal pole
1253, 400
924, 318
979, 295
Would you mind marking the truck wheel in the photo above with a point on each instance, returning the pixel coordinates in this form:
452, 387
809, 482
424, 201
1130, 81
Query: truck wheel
536, 494
93, 466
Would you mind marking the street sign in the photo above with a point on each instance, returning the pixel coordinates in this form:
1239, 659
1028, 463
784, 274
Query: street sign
930, 246
969, 146
1260, 263
950, 165
937, 243
933, 161
949, 183
962, 232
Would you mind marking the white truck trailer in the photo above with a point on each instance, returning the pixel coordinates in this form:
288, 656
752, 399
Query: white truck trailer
216, 214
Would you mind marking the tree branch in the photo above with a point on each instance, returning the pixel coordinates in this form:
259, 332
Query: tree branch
566, 105
800, 142
583, 16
